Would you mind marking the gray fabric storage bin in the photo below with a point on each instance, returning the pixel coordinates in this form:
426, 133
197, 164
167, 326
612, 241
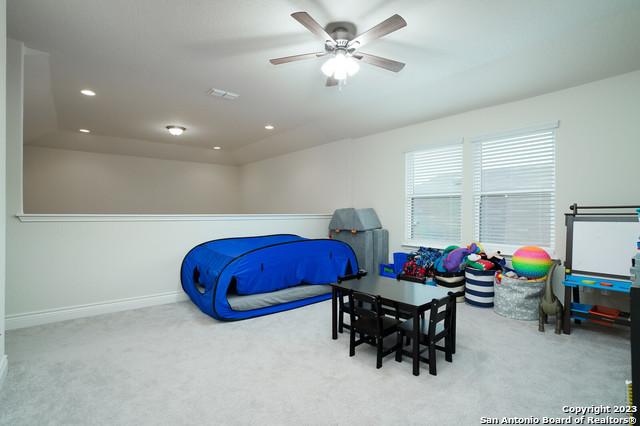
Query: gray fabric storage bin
517, 299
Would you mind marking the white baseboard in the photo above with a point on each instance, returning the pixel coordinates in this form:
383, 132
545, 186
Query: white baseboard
4, 366
30, 319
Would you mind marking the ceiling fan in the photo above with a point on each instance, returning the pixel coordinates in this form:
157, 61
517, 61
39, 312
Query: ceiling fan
342, 46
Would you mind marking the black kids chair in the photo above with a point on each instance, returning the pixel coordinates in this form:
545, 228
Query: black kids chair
367, 319
437, 326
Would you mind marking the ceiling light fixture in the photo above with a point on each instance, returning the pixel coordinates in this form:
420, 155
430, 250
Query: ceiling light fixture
88, 92
224, 94
84, 130
176, 130
217, 148
269, 127
340, 66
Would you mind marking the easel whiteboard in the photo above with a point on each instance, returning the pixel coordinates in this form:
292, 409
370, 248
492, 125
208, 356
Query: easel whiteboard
604, 245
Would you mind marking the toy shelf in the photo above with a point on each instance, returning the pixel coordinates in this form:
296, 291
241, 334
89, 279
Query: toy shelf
597, 283
581, 311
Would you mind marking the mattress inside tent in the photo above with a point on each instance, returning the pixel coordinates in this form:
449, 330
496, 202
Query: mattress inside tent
238, 278
261, 300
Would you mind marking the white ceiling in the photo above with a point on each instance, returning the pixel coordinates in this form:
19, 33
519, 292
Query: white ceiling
152, 61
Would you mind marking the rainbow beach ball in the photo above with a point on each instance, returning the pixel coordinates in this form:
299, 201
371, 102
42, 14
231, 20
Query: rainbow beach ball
531, 262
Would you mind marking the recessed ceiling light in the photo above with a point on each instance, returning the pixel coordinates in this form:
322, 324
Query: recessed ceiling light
88, 92
269, 127
217, 148
84, 130
176, 130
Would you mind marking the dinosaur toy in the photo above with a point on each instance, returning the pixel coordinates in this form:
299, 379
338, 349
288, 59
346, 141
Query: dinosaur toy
549, 304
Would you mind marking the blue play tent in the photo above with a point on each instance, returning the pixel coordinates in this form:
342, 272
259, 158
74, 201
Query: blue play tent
237, 278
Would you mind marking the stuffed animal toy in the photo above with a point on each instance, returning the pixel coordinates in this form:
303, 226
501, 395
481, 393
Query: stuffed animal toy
475, 261
456, 258
475, 248
497, 259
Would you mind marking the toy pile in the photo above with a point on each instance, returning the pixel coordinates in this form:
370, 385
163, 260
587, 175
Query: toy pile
428, 262
420, 264
456, 259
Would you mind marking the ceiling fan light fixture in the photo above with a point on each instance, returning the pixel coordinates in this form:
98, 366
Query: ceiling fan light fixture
329, 67
340, 66
340, 74
352, 66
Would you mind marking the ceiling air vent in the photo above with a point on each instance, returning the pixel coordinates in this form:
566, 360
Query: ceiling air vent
222, 94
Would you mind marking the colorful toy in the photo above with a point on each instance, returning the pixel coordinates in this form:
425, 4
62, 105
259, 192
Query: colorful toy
475, 248
412, 269
531, 262
497, 260
420, 263
439, 265
481, 264
455, 258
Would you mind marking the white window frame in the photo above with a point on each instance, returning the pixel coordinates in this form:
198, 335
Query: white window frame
413, 242
509, 249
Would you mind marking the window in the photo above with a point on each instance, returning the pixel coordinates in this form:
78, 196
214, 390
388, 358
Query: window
514, 189
433, 195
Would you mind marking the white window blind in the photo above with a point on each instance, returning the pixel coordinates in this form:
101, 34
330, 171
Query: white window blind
514, 189
433, 195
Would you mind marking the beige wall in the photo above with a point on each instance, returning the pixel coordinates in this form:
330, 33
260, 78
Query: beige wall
316, 180
597, 157
63, 181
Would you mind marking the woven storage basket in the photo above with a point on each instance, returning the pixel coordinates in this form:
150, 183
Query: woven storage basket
454, 281
478, 288
518, 299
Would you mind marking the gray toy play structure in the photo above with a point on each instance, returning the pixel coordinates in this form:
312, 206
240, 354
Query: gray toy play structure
362, 230
549, 304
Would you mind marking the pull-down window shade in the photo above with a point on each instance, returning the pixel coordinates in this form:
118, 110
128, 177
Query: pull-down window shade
514, 189
433, 195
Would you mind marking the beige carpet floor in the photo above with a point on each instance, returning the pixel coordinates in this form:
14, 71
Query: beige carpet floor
172, 365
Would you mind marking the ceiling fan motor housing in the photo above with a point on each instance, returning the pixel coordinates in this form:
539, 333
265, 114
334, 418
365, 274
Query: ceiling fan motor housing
341, 31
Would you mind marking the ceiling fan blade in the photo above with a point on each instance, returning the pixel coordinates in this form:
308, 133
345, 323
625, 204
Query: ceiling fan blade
388, 64
331, 82
293, 58
382, 29
309, 23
